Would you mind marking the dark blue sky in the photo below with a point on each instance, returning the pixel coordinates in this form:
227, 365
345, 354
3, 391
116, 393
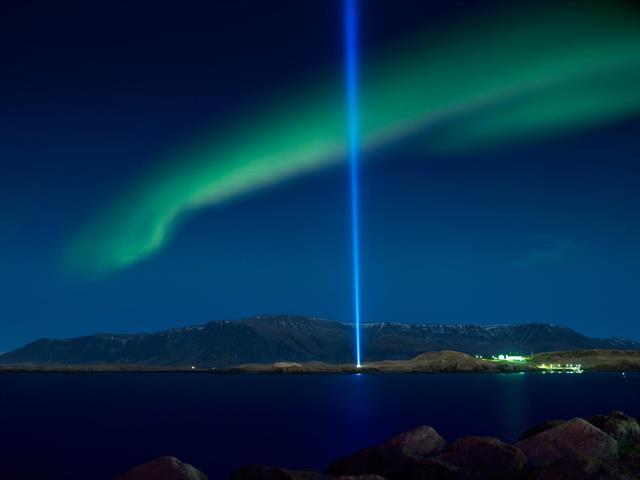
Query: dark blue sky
93, 92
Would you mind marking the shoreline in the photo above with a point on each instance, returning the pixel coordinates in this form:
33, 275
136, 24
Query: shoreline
432, 362
15, 371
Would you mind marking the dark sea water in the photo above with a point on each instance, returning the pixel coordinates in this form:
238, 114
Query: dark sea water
79, 426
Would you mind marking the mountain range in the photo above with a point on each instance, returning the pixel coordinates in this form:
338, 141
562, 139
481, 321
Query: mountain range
265, 339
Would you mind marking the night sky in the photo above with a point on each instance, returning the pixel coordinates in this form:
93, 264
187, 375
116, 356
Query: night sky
493, 216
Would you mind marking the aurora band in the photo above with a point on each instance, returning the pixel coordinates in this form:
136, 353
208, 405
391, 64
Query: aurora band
512, 75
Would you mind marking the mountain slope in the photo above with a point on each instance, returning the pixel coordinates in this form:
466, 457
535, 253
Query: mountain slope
267, 339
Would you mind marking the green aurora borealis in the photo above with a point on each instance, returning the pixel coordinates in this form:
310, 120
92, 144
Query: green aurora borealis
508, 76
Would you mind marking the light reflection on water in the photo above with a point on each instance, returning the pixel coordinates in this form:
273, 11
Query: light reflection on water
513, 398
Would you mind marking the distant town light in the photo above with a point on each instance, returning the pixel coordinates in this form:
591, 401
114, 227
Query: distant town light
510, 358
515, 358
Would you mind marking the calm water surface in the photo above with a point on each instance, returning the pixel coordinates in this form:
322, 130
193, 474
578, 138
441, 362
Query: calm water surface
78, 426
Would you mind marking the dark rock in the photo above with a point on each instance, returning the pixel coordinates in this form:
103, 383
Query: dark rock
253, 472
389, 463
475, 458
541, 427
421, 442
632, 464
435, 468
623, 428
575, 436
394, 458
164, 468
582, 467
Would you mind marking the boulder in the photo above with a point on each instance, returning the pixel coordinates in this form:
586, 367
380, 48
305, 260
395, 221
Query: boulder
387, 462
623, 428
435, 468
421, 442
394, 458
254, 472
164, 468
632, 464
541, 427
575, 436
474, 458
581, 467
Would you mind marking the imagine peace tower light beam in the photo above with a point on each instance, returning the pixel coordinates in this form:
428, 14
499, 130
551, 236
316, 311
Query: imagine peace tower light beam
351, 69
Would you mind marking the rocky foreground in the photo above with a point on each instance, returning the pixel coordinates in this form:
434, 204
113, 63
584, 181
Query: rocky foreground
603, 447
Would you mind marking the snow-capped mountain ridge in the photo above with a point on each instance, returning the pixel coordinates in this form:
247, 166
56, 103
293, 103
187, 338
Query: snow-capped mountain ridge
271, 338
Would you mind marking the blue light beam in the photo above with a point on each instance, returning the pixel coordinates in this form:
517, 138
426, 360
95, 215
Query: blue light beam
351, 69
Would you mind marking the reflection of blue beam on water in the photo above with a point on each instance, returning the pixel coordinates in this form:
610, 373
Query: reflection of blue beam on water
351, 67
